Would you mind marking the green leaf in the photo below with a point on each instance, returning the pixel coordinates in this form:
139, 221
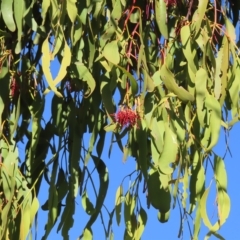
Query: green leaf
86, 203
72, 10
118, 204
224, 204
87, 234
107, 97
159, 197
197, 181
220, 173
161, 17
85, 75
46, 58
52, 202
201, 81
7, 14
189, 50
142, 220
4, 91
67, 216
199, 15
45, 6
134, 85
34, 209
128, 211
230, 29
223, 209
215, 119
168, 79
143, 154
104, 181
25, 223
18, 15
111, 53
169, 152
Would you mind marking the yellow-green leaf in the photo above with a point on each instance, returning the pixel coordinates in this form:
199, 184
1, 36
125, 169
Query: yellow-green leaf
72, 10
214, 107
111, 53
45, 6
46, 58
161, 17
7, 14
169, 152
201, 80
118, 204
168, 79
64, 64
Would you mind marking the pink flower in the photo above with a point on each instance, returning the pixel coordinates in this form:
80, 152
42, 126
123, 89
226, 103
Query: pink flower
126, 117
171, 2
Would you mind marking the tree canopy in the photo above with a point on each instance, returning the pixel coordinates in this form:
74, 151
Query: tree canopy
161, 76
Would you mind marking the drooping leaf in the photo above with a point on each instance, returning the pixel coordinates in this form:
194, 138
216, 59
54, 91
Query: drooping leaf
72, 10
215, 119
161, 17
168, 79
7, 14
111, 53
169, 152
46, 58
118, 204
87, 205
104, 181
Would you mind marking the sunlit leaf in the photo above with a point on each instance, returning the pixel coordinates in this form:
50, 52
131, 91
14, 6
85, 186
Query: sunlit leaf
110, 52
7, 14
168, 79
161, 17
118, 204
72, 10
46, 58
169, 152
87, 205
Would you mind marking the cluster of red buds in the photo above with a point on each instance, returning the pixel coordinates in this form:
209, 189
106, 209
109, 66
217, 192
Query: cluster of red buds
14, 88
126, 117
171, 3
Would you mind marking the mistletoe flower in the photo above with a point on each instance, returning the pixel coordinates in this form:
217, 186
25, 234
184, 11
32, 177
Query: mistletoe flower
126, 117
171, 2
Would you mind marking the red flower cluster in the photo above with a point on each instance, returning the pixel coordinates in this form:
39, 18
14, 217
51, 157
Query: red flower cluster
171, 2
126, 117
14, 88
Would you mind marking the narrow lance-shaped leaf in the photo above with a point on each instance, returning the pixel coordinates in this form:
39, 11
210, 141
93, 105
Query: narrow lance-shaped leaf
18, 15
201, 80
7, 14
199, 15
52, 202
142, 220
111, 53
214, 107
161, 17
169, 152
118, 204
172, 86
46, 67
104, 180
87, 205
45, 6
72, 10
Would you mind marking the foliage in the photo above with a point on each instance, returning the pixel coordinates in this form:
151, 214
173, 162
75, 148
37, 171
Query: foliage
175, 65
